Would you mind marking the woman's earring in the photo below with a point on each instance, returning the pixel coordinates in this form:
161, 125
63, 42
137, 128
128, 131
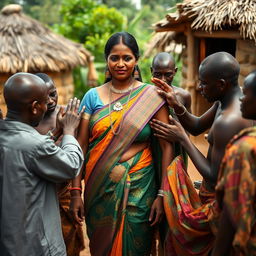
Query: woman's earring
107, 74
136, 73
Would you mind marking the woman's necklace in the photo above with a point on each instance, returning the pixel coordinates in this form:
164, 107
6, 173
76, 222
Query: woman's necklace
113, 89
117, 107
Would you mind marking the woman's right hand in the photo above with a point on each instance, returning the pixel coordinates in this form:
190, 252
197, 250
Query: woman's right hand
76, 209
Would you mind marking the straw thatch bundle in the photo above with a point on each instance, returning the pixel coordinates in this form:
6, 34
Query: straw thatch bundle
164, 41
28, 46
211, 15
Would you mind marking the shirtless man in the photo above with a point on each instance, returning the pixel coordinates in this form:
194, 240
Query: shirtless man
235, 190
218, 76
163, 68
49, 121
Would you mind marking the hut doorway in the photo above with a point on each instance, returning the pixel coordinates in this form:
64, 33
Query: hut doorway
209, 46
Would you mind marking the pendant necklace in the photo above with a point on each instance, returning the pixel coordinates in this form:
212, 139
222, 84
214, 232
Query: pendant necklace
118, 106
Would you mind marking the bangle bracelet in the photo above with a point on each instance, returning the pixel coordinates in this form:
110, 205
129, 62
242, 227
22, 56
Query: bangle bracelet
76, 197
160, 193
75, 188
181, 114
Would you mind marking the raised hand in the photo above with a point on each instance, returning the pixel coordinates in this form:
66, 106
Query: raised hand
70, 120
166, 91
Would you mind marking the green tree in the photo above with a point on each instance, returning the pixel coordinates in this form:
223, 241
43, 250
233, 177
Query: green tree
46, 11
90, 23
163, 3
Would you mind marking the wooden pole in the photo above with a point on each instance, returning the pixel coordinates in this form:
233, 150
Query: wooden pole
192, 62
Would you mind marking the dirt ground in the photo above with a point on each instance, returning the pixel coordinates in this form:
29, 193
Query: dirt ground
202, 145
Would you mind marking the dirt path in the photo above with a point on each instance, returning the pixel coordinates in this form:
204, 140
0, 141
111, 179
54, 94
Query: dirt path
193, 173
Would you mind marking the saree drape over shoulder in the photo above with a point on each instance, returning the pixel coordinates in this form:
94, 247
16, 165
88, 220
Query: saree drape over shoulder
118, 196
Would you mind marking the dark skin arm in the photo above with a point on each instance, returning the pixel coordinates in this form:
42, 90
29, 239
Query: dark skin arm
193, 124
157, 211
175, 132
225, 236
76, 205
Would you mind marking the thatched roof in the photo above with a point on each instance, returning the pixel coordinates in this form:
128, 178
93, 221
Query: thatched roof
164, 42
212, 15
26, 45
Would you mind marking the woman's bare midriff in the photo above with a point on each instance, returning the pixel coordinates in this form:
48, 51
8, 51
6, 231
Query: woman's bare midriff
133, 150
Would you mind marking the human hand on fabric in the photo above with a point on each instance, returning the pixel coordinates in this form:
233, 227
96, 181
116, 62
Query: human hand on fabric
157, 211
76, 209
171, 132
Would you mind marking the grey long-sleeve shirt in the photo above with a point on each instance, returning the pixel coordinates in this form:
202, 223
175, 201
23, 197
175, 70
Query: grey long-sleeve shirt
30, 165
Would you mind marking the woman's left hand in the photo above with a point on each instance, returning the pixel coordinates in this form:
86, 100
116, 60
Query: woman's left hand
157, 211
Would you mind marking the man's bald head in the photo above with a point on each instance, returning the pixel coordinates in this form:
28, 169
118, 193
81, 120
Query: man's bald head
23, 88
163, 67
26, 97
163, 60
220, 65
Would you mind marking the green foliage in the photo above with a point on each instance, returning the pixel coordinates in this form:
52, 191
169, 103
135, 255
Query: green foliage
46, 11
89, 23
163, 3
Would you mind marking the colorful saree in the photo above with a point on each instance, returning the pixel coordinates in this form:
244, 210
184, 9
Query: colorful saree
118, 196
189, 232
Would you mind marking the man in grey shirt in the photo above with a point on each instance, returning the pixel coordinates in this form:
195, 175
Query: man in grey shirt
30, 165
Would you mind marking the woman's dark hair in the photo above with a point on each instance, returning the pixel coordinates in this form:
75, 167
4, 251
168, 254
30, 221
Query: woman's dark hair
128, 40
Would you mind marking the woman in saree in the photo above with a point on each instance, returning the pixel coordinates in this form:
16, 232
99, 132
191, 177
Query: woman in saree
122, 201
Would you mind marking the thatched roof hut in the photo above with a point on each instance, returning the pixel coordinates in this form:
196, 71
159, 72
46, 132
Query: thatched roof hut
204, 27
28, 46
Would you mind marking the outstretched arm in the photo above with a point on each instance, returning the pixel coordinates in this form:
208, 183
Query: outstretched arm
193, 124
175, 132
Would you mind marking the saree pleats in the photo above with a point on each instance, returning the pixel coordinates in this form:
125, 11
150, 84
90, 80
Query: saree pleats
189, 231
118, 196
